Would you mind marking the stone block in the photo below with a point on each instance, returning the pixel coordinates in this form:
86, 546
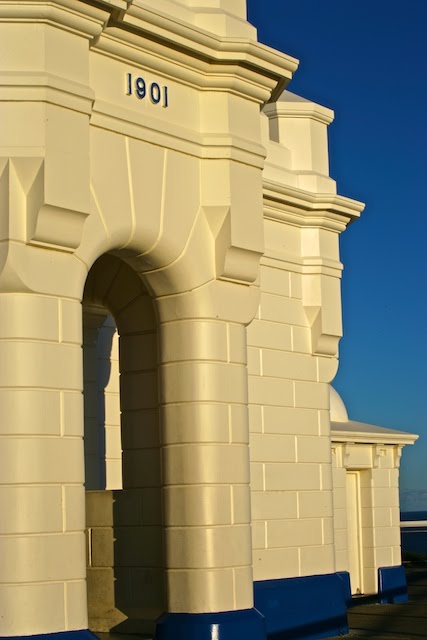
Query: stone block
272, 448
294, 533
270, 564
292, 477
274, 505
99, 509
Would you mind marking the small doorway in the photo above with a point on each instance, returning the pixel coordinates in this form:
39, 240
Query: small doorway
354, 532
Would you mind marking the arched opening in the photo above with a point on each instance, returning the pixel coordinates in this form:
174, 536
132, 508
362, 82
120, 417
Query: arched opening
122, 451
102, 428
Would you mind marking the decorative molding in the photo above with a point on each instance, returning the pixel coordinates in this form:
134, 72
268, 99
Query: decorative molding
299, 108
232, 262
380, 439
80, 18
203, 43
301, 208
29, 218
196, 56
398, 449
46, 87
321, 298
378, 451
347, 453
321, 295
168, 135
337, 453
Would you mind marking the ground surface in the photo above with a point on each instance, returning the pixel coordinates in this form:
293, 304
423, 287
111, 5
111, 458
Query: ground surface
406, 621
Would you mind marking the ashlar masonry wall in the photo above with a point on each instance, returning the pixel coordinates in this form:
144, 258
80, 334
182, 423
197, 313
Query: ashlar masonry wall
289, 441
292, 346
377, 469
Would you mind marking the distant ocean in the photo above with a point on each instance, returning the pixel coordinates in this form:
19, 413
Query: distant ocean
414, 540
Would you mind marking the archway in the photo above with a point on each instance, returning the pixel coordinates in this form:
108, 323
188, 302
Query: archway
122, 451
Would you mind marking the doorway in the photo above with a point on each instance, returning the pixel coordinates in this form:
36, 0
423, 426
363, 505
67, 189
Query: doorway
124, 526
354, 531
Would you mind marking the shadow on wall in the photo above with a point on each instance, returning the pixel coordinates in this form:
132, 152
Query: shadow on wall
98, 334
125, 560
125, 575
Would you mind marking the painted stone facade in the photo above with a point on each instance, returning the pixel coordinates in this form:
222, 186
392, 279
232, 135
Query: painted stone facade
365, 461
155, 171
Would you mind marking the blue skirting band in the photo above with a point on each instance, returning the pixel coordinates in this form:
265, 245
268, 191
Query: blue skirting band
246, 624
310, 607
344, 576
82, 634
392, 585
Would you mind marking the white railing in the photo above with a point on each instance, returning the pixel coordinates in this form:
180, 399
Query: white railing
413, 524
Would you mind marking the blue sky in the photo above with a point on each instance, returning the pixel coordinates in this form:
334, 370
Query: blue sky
366, 59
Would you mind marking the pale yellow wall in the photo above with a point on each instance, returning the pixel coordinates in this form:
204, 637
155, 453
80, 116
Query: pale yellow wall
176, 193
378, 467
292, 345
290, 444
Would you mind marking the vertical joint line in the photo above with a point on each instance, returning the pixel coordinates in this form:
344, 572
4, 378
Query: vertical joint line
61, 413
63, 506
228, 341
65, 594
60, 318
89, 546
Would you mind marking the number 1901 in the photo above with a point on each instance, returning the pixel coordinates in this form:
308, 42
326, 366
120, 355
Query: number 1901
142, 89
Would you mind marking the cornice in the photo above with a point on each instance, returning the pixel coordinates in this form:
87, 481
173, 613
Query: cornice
264, 71
204, 43
306, 209
46, 87
362, 437
299, 109
177, 64
300, 264
76, 17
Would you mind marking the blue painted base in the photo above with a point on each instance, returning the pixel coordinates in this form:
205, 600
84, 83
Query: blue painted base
344, 577
83, 634
310, 607
246, 624
392, 586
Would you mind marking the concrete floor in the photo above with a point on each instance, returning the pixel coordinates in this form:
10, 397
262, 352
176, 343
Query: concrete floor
406, 621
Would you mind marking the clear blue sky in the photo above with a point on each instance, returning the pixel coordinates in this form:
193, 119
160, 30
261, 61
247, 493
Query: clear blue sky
367, 60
